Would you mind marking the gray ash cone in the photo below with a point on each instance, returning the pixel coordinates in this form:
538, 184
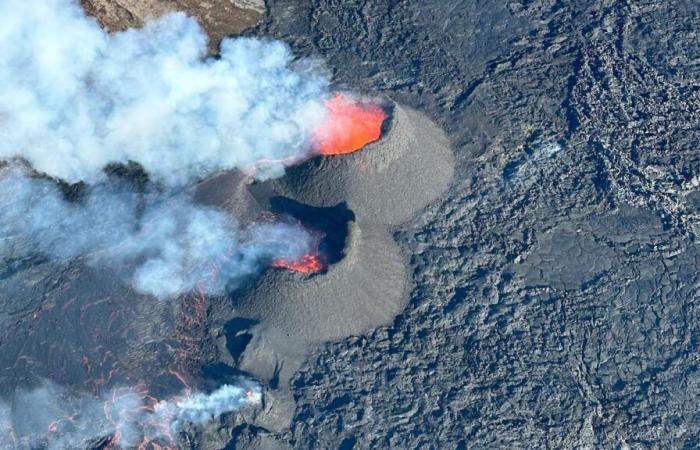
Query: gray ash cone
356, 199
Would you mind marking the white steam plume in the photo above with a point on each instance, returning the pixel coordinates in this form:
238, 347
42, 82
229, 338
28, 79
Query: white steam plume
51, 417
164, 244
201, 408
74, 98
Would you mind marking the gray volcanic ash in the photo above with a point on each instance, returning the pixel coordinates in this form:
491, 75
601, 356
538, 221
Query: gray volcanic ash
366, 194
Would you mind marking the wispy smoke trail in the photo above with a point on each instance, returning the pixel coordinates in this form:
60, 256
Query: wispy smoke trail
75, 98
164, 244
201, 408
50, 417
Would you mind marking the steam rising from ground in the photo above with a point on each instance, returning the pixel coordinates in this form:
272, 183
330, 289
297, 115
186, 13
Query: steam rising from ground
201, 408
75, 98
164, 244
50, 417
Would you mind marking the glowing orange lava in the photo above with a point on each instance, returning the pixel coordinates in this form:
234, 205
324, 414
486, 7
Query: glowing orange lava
350, 125
309, 263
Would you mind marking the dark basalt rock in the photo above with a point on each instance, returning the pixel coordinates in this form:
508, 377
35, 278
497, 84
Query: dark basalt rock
554, 298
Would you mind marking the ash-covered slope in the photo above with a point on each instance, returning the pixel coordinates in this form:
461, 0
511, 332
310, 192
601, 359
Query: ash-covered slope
388, 181
556, 282
288, 314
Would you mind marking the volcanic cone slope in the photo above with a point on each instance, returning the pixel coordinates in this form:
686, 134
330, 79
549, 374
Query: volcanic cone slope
228, 191
384, 185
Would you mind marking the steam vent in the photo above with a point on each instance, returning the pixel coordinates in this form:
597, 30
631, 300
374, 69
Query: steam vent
368, 192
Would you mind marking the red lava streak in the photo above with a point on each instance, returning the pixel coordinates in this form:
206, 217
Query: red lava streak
309, 263
350, 125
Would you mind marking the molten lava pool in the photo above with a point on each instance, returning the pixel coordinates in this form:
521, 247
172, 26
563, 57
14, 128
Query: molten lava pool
309, 263
350, 125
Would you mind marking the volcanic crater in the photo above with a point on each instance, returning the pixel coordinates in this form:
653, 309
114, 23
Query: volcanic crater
354, 201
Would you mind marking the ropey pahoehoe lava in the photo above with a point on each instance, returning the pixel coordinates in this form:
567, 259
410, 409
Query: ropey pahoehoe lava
104, 138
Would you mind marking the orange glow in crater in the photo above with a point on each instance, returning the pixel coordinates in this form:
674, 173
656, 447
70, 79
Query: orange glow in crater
309, 263
350, 125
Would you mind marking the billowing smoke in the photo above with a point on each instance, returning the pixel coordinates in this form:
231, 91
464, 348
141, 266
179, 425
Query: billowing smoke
75, 99
164, 244
201, 408
54, 418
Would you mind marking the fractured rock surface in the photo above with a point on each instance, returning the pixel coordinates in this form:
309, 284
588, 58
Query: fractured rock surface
556, 280
220, 18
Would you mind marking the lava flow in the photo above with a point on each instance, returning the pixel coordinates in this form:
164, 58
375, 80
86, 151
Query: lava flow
350, 125
308, 263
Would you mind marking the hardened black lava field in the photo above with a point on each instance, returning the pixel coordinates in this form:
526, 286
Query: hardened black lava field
514, 264
556, 281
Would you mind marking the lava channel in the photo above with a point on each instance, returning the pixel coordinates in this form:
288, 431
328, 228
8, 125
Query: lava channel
350, 125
